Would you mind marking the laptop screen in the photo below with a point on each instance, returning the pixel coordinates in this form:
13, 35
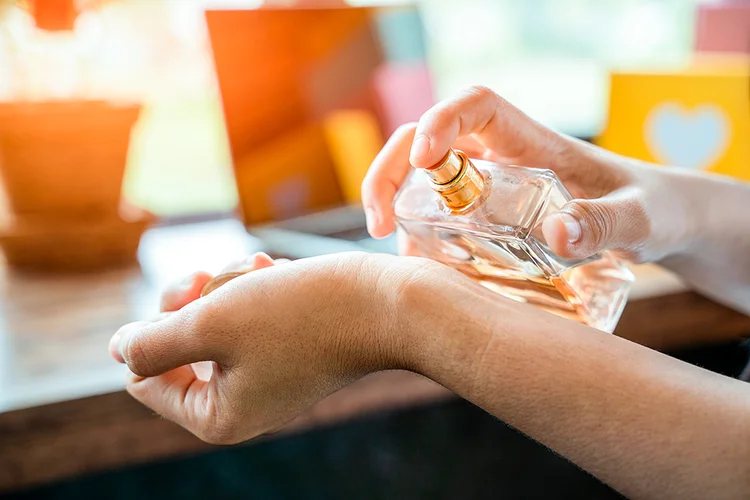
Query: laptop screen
310, 95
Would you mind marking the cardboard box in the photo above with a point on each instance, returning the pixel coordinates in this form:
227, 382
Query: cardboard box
697, 119
354, 140
723, 27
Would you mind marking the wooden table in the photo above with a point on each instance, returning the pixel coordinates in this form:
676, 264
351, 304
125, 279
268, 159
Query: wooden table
63, 408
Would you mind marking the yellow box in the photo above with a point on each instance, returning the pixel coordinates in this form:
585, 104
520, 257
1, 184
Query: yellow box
354, 140
697, 118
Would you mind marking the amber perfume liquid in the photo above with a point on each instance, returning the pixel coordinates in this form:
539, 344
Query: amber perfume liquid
484, 219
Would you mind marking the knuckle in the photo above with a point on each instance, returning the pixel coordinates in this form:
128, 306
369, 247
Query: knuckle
435, 113
199, 324
219, 435
137, 356
220, 428
598, 221
442, 117
638, 204
404, 130
203, 320
638, 225
481, 92
638, 211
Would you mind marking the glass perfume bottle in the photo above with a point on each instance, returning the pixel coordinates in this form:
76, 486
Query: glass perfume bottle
485, 219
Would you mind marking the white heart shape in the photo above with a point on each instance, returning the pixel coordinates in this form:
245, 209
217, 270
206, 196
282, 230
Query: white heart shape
692, 139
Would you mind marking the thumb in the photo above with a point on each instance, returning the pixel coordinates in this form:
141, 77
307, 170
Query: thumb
581, 228
153, 348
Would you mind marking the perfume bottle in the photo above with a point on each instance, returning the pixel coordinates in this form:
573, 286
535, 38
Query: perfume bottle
485, 219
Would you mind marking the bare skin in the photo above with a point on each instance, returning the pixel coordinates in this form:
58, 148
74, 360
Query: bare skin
284, 336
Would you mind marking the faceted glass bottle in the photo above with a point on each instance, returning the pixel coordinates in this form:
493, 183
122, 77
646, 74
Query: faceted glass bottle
485, 220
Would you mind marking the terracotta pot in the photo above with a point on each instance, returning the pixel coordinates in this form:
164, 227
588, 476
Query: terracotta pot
54, 15
62, 157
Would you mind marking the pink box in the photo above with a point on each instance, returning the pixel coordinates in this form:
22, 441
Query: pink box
724, 27
404, 93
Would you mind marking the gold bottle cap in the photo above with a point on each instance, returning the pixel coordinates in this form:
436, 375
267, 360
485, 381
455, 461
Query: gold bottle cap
456, 180
446, 169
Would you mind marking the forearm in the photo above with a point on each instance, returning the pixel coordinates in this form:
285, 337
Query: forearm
699, 223
716, 258
648, 425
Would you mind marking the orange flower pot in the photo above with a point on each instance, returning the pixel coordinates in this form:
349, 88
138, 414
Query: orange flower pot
54, 15
63, 157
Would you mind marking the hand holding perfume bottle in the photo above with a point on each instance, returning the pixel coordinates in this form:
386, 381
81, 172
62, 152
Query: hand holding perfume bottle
618, 204
487, 223
534, 215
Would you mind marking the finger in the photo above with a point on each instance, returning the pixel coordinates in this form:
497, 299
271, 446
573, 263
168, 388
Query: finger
179, 295
472, 147
582, 228
238, 268
384, 178
114, 341
497, 125
253, 262
177, 395
150, 349
203, 369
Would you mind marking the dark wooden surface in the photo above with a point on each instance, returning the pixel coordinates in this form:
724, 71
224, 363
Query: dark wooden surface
678, 320
66, 439
63, 410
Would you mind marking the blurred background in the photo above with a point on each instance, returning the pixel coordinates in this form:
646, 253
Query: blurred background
549, 57
141, 140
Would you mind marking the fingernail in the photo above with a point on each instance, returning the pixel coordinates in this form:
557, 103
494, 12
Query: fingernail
261, 260
420, 147
114, 348
116, 341
373, 219
572, 227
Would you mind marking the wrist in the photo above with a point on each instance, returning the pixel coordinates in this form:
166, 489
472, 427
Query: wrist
672, 210
667, 198
394, 319
445, 323
704, 208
